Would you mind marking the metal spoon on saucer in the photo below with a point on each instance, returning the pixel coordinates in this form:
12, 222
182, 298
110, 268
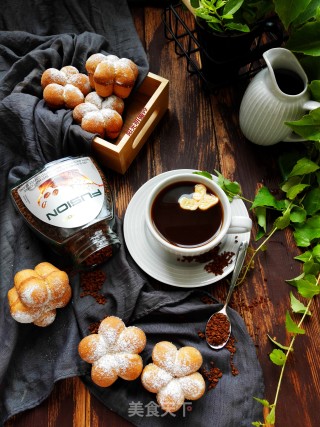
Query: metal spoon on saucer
218, 328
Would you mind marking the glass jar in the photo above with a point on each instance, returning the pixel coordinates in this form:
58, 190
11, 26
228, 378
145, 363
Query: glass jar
69, 204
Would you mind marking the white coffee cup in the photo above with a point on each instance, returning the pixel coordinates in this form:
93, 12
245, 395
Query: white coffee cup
230, 224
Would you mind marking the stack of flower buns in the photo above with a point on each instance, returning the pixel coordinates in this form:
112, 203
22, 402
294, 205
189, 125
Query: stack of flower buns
109, 81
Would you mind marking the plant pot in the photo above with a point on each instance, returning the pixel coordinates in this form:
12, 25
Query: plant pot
222, 55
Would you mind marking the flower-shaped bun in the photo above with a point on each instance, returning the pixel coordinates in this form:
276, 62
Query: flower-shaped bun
113, 351
37, 294
173, 375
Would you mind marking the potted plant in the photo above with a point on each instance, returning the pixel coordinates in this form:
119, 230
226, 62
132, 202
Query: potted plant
226, 30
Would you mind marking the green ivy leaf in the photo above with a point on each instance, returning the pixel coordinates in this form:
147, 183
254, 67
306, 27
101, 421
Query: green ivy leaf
289, 158
292, 327
316, 253
311, 202
297, 306
307, 126
304, 166
307, 286
305, 233
231, 188
298, 214
295, 190
277, 357
265, 198
314, 88
261, 214
203, 173
304, 257
263, 402
311, 267
283, 347
295, 280
260, 233
271, 417
283, 221
290, 182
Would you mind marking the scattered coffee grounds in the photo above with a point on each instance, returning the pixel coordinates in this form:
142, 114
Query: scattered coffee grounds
91, 283
218, 329
201, 335
219, 262
93, 327
232, 348
214, 261
258, 302
207, 300
212, 375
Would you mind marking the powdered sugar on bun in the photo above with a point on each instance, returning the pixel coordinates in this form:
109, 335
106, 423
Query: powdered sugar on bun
113, 102
112, 79
173, 375
72, 96
69, 70
171, 397
81, 81
52, 75
109, 75
106, 122
53, 94
95, 99
104, 78
91, 65
81, 109
113, 122
67, 77
37, 294
124, 79
113, 352
94, 122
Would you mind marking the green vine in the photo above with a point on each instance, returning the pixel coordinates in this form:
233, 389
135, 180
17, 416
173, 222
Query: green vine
299, 210
299, 206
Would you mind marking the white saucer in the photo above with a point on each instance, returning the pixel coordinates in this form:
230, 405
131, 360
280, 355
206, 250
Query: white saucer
160, 264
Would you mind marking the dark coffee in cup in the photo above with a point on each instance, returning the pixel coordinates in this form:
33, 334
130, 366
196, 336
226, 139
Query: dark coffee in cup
193, 225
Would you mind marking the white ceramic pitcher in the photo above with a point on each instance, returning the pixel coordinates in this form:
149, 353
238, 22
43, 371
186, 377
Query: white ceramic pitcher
268, 103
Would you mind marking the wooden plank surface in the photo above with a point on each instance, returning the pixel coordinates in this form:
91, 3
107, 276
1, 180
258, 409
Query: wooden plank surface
201, 131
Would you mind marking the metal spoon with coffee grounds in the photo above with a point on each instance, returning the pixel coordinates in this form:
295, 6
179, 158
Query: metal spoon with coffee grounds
218, 328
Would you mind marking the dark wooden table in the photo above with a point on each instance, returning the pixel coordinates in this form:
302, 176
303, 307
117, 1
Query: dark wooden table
201, 131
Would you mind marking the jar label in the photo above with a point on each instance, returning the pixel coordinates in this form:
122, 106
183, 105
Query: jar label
68, 194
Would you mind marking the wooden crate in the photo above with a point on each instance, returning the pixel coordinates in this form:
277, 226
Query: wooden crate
143, 111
